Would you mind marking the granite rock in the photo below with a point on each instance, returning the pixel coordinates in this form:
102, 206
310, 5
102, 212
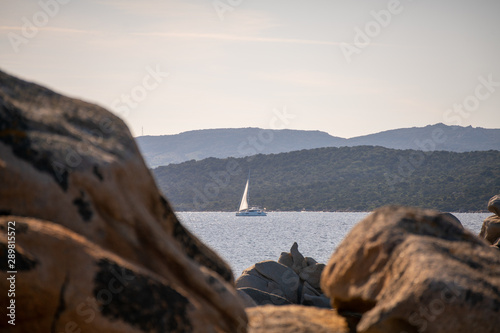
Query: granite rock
296, 319
74, 167
490, 230
413, 270
494, 205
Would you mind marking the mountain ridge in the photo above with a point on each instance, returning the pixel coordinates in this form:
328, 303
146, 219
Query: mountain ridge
241, 142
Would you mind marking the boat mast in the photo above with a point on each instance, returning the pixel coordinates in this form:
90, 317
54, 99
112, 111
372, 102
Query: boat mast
248, 192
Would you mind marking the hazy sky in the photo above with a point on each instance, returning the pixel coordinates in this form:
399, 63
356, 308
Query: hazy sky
345, 67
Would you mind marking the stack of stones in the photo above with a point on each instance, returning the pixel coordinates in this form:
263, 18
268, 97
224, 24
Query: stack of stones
294, 279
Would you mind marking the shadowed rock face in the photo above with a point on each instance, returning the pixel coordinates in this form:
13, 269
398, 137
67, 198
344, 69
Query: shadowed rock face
76, 165
415, 270
497, 244
494, 205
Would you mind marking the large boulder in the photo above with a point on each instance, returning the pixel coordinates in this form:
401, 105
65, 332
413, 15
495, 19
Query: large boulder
260, 297
272, 278
65, 283
412, 270
294, 279
494, 205
69, 163
490, 230
453, 217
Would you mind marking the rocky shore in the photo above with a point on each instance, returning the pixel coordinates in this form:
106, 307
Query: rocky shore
99, 249
400, 269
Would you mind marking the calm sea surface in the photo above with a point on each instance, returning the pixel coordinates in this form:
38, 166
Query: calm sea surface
243, 241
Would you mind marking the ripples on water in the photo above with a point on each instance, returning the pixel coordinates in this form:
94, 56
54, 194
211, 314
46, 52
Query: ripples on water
243, 241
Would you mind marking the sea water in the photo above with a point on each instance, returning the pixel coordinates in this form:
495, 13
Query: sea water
244, 241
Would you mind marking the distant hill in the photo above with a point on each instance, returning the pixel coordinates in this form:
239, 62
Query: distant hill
232, 142
222, 143
336, 179
443, 137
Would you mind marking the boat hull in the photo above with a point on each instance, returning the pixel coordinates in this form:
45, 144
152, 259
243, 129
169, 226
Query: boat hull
251, 213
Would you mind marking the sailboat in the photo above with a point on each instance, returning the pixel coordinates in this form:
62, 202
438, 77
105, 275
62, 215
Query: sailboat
246, 210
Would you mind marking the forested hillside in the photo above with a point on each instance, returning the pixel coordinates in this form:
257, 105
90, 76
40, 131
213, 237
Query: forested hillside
336, 179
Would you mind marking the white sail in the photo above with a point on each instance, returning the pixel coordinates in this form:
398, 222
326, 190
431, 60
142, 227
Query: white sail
244, 200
